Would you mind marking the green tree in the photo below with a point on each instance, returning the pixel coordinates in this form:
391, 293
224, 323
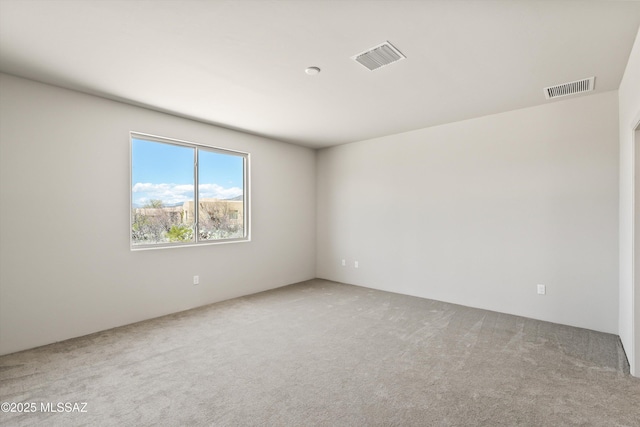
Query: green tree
179, 233
154, 203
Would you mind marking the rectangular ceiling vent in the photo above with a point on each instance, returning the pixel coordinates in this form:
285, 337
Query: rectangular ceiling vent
571, 88
379, 56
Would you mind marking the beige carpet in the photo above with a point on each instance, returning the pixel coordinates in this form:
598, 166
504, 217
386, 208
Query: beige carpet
323, 353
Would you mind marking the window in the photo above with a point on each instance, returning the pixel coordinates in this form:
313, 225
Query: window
166, 208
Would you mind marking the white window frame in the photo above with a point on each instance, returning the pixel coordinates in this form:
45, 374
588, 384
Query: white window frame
196, 146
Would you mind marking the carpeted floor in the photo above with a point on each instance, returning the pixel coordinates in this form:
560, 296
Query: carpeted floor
323, 353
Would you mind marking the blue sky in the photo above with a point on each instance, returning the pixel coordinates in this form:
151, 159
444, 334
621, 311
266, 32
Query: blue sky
165, 172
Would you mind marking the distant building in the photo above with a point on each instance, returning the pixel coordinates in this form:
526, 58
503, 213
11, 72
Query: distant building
173, 213
228, 212
231, 211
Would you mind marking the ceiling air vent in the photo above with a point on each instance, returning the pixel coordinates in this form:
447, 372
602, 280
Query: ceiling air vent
379, 56
571, 88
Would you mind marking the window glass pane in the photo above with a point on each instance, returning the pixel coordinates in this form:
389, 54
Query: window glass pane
220, 196
162, 190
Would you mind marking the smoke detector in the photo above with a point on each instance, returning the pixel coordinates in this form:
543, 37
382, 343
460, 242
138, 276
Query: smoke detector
571, 88
379, 56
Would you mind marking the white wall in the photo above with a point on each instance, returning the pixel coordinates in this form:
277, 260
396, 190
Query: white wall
629, 98
65, 265
478, 212
475, 212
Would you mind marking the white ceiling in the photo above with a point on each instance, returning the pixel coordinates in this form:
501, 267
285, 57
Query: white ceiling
240, 64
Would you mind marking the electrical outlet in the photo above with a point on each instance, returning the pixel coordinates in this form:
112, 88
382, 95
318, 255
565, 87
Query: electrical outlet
542, 289
344, 262
355, 264
196, 280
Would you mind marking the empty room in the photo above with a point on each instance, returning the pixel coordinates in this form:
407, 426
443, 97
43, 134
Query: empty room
314, 212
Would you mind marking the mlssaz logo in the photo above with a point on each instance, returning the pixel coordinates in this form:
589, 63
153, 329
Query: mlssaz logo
63, 407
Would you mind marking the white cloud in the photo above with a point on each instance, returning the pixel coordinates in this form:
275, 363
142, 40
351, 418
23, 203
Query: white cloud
215, 191
179, 193
168, 193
